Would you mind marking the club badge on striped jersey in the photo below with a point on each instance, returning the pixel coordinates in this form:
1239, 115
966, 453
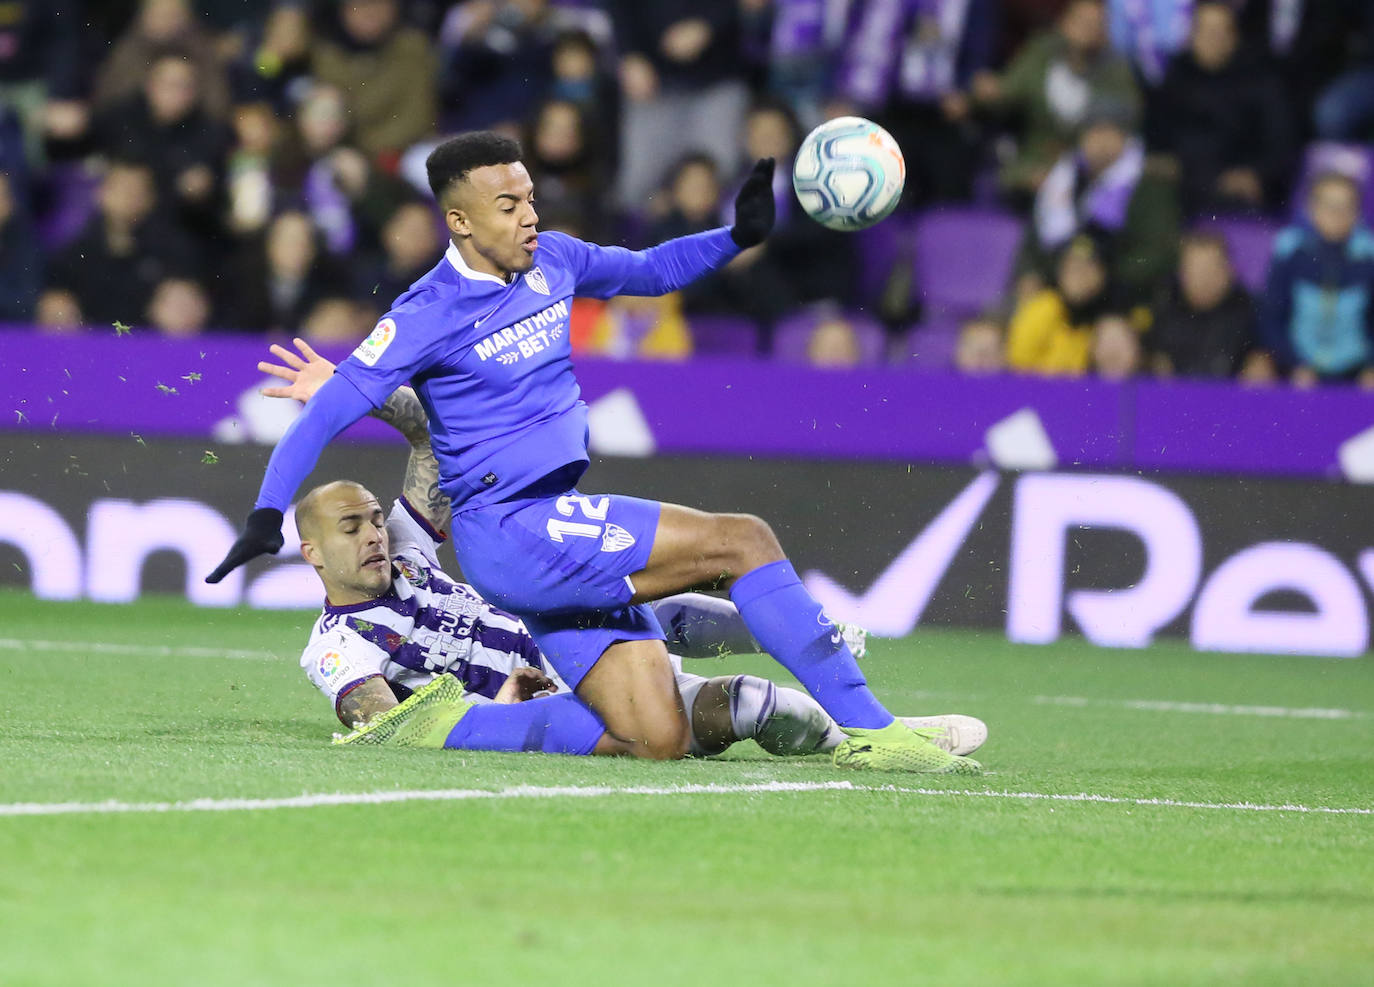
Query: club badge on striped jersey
536, 280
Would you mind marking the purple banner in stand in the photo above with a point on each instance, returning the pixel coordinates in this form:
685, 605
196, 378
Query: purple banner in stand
206, 388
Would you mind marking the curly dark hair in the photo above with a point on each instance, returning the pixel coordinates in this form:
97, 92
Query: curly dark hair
452, 160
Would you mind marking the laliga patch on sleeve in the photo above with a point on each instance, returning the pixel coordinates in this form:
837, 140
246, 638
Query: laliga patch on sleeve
332, 667
370, 350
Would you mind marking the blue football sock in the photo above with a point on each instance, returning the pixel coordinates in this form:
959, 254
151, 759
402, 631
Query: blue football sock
559, 724
791, 626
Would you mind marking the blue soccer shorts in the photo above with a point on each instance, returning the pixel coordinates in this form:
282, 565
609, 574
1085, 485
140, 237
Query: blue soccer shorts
563, 565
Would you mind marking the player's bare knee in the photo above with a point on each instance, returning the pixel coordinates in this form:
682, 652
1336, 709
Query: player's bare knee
667, 740
752, 543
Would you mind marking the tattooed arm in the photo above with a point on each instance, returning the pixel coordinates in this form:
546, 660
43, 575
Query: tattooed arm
364, 701
305, 373
404, 412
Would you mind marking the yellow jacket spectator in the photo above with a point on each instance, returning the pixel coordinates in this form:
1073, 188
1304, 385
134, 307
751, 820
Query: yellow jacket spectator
1044, 339
1051, 331
387, 73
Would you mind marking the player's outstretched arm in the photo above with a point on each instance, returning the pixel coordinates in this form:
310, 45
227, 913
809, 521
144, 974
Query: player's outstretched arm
606, 271
306, 373
336, 405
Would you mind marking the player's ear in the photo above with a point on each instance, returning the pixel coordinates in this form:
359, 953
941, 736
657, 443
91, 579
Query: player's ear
311, 554
457, 222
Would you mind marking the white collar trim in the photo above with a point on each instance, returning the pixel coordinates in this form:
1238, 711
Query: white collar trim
461, 266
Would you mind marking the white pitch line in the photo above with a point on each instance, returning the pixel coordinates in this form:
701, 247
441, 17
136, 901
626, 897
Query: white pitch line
605, 791
1220, 709
145, 650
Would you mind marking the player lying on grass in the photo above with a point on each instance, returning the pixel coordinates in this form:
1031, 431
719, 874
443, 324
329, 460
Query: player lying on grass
484, 338
393, 623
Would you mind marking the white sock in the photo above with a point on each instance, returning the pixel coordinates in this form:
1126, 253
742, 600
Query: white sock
701, 626
688, 686
780, 720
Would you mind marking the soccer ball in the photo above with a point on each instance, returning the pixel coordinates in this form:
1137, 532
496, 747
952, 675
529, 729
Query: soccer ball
849, 173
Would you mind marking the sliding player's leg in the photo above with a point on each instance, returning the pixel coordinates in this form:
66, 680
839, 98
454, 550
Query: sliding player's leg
739, 552
788, 722
702, 626
730, 708
693, 549
439, 715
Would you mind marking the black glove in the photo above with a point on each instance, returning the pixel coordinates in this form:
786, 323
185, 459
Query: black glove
261, 536
754, 209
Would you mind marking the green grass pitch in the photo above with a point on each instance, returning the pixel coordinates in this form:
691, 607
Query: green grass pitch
993, 885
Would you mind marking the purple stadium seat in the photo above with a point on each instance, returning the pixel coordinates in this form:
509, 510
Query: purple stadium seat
723, 335
794, 333
931, 344
1354, 160
73, 190
963, 258
881, 247
1251, 241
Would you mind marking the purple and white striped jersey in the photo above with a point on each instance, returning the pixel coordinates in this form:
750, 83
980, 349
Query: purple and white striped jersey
425, 625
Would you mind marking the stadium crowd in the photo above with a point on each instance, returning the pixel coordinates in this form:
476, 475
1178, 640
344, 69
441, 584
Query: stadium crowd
1106, 166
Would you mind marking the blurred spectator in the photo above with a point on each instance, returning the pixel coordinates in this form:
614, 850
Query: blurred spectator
111, 269
1313, 43
20, 260
693, 199
581, 77
563, 156
1221, 113
58, 311
1116, 348
249, 172
274, 66
410, 247
167, 127
680, 75
1023, 19
40, 71
908, 65
1149, 32
1051, 331
337, 320
981, 348
160, 25
833, 345
277, 280
179, 308
629, 327
799, 43
1105, 189
497, 60
1344, 110
387, 73
1050, 85
1206, 325
1318, 316
347, 196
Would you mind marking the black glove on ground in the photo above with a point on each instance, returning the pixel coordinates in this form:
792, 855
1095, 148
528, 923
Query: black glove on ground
754, 209
261, 536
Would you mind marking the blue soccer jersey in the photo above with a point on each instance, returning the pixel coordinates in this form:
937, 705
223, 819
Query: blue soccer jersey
491, 362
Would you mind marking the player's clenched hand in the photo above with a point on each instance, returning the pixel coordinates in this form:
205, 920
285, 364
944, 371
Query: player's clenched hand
754, 209
523, 684
261, 536
303, 377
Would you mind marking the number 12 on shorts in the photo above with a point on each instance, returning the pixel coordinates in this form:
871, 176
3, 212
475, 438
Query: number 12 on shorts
567, 506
